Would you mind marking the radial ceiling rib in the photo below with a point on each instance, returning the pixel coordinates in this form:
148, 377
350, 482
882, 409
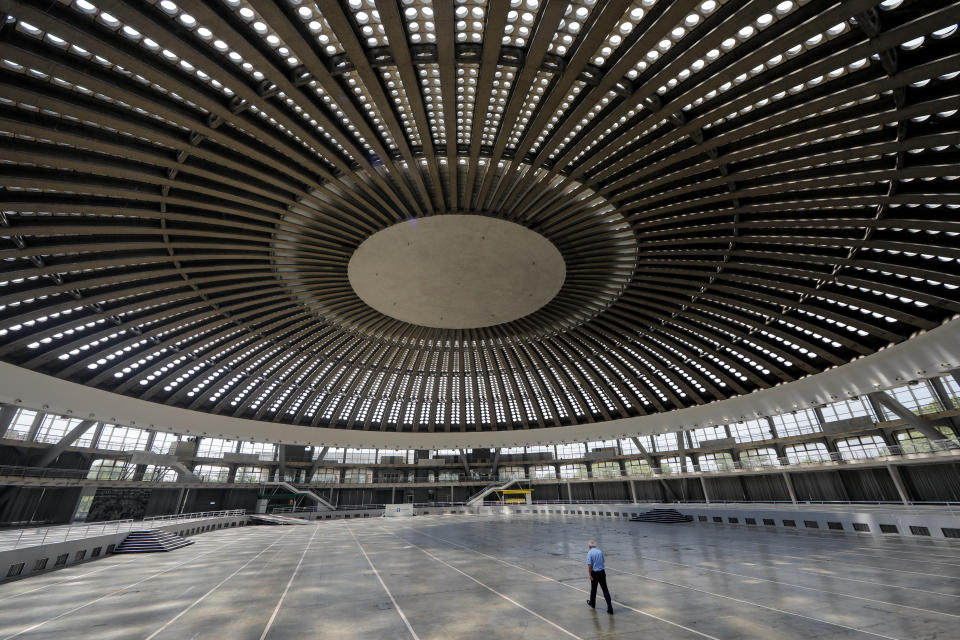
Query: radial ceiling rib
742, 193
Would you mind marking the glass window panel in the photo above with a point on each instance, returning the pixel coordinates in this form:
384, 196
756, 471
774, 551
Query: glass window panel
108, 469
672, 465
212, 473
861, 447
544, 472
358, 476
807, 453
720, 461
606, 470
570, 451
506, 473
573, 470
117, 438
215, 447
796, 423
759, 458
252, 474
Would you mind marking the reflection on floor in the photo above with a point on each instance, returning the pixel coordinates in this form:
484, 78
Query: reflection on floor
434, 577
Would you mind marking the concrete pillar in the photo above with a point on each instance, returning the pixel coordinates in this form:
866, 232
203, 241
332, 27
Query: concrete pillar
706, 494
35, 426
7, 413
789, 482
633, 491
898, 483
68, 439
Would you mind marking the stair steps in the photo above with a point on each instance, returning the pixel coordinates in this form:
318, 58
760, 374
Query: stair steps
275, 520
150, 541
663, 516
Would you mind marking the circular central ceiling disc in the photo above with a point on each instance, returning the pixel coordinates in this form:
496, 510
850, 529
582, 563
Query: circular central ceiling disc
456, 271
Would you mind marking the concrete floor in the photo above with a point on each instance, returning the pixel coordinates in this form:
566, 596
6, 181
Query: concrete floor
458, 576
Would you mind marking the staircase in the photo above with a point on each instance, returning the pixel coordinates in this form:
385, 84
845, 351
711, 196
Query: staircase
477, 499
322, 505
261, 518
150, 541
663, 516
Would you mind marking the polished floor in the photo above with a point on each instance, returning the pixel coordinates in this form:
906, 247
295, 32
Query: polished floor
459, 576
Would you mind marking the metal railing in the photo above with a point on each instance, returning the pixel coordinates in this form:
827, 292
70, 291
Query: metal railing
38, 536
757, 463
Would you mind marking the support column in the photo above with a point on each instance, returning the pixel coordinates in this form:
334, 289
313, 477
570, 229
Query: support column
653, 465
633, 491
682, 451
282, 459
787, 480
316, 464
35, 426
496, 462
945, 400
7, 413
68, 439
466, 465
898, 483
912, 419
706, 494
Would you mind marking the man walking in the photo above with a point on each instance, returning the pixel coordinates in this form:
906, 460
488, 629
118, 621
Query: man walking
598, 576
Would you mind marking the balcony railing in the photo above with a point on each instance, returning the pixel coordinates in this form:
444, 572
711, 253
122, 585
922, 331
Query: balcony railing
757, 463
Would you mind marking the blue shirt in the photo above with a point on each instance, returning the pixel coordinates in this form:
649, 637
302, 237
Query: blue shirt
595, 559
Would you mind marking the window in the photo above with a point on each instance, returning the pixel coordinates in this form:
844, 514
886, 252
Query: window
759, 458
405, 454
665, 442
912, 441
807, 453
212, 473
918, 398
361, 456
860, 447
570, 451
569, 471
215, 447
606, 470
267, 452
707, 433
252, 474
846, 409
637, 468
54, 428
672, 465
164, 442
326, 475
544, 472
506, 473
159, 474
358, 476
333, 454
716, 462
605, 445
628, 448
110, 470
19, 429
796, 423
751, 430
448, 476
117, 438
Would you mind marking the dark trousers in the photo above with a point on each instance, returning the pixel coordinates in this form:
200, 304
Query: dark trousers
599, 578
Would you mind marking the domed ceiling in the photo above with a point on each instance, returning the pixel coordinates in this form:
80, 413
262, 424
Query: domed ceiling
740, 193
